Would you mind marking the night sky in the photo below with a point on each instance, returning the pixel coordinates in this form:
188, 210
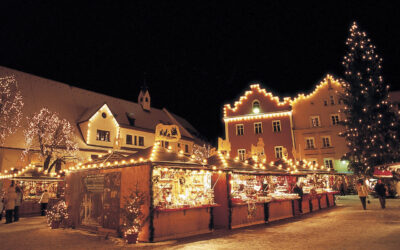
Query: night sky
196, 56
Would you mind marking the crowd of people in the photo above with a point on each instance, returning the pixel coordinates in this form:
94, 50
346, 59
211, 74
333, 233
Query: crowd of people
12, 200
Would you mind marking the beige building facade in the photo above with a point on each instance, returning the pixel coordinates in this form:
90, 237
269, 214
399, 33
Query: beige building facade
316, 127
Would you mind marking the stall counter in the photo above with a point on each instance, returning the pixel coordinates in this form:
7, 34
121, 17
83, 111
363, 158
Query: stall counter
280, 209
186, 222
244, 214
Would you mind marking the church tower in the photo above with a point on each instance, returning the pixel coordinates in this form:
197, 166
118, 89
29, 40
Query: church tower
144, 97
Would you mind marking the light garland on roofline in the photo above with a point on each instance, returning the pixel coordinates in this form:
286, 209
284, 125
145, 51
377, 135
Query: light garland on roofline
328, 79
12, 173
287, 100
256, 87
108, 111
260, 116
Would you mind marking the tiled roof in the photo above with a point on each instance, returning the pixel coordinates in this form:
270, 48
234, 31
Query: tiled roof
76, 105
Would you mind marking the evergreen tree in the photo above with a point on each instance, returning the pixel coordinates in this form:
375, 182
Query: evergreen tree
370, 124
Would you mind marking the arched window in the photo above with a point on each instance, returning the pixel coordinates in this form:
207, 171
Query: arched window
256, 106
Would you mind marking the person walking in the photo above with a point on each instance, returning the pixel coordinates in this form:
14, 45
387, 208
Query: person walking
298, 189
1, 207
342, 193
18, 202
44, 200
362, 191
10, 203
381, 190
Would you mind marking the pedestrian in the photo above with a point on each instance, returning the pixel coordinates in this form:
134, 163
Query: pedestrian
1, 207
18, 202
299, 190
362, 191
44, 200
381, 190
342, 193
10, 202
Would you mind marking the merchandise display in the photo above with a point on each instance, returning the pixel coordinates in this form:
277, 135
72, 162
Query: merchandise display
320, 183
180, 188
32, 190
260, 188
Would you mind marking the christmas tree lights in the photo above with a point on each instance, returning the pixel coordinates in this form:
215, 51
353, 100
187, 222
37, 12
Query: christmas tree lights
371, 126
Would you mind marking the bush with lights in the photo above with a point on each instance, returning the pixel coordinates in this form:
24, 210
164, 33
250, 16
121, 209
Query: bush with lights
132, 214
58, 215
372, 127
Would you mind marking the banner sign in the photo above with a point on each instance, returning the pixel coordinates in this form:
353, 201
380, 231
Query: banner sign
167, 133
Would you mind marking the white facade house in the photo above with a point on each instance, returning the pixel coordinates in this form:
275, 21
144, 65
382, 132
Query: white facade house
101, 122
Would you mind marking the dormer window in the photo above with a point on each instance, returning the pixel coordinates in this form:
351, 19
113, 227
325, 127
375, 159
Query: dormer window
256, 107
131, 118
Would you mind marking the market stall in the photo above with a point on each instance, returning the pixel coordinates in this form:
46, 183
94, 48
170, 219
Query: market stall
33, 188
317, 188
33, 183
256, 193
179, 196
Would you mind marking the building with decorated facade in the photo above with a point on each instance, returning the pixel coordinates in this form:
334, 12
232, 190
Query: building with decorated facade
101, 123
302, 128
316, 125
258, 117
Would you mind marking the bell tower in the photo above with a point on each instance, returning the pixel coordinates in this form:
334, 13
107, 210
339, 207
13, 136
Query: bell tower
144, 96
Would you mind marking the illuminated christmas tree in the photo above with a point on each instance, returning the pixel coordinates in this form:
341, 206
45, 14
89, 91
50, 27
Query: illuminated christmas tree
371, 126
10, 107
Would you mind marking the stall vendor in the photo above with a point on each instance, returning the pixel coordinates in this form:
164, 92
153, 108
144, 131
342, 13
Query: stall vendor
298, 189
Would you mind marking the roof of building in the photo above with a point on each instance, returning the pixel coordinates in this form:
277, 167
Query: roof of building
77, 105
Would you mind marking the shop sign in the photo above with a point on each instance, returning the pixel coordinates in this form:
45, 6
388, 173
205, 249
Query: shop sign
94, 183
169, 133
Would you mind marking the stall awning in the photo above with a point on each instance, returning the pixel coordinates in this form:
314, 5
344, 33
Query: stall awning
382, 173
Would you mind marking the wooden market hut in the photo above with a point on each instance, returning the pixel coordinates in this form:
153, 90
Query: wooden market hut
33, 183
234, 213
95, 192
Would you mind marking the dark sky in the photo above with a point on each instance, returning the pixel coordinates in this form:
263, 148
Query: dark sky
197, 55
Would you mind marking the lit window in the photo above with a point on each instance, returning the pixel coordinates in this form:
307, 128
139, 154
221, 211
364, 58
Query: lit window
328, 163
276, 126
103, 135
256, 107
239, 129
335, 119
315, 121
129, 139
141, 141
310, 143
241, 154
326, 141
278, 152
257, 128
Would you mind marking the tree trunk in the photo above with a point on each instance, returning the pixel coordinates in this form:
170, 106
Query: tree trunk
46, 163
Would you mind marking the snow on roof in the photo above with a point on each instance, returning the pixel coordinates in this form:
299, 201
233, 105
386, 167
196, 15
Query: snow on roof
76, 105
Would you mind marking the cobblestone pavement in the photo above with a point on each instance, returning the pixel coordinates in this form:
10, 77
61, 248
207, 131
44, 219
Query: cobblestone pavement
346, 226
